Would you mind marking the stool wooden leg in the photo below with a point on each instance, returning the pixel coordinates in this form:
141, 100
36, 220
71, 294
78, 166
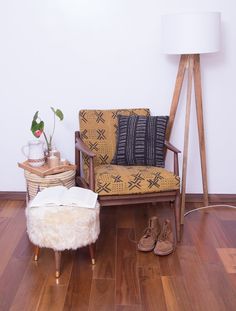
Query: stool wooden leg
92, 252
58, 263
36, 252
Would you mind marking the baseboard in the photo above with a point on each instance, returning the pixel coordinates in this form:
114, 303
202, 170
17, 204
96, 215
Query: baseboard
213, 198
190, 197
13, 195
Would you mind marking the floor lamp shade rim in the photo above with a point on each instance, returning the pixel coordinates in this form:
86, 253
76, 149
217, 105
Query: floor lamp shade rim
190, 33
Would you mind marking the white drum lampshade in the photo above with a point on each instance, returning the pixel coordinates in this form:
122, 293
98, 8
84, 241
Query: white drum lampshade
191, 33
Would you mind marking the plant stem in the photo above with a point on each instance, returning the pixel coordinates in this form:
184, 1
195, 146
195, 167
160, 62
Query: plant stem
53, 130
47, 142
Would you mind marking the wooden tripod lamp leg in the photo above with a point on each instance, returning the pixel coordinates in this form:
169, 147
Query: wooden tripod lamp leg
201, 136
186, 137
175, 100
183, 65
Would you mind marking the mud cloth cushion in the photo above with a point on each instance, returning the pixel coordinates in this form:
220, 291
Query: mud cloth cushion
140, 140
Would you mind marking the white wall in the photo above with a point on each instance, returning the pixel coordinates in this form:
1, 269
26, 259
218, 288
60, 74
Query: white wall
74, 54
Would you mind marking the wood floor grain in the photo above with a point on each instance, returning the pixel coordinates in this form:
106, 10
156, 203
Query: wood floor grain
127, 285
78, 292
200, 275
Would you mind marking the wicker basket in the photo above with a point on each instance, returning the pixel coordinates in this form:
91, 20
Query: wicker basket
36, 183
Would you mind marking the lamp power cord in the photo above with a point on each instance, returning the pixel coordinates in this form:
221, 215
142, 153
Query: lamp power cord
208, 206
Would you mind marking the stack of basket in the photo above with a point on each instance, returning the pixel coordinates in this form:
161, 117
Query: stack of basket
36, 183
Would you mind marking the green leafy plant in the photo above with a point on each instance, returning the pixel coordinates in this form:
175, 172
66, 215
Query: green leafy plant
37, 126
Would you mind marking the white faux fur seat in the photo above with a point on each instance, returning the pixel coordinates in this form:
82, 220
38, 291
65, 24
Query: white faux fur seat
63, 227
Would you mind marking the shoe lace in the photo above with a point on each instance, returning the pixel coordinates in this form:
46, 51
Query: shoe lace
164, 233
149, 232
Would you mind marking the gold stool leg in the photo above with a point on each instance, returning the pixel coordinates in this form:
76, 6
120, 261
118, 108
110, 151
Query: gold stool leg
92, 252
36, 253
58, 263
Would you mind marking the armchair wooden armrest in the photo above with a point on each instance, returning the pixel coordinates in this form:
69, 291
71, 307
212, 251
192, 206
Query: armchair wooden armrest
171, 147
81, 147
176, 161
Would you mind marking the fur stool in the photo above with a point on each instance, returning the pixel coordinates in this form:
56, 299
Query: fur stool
61, 228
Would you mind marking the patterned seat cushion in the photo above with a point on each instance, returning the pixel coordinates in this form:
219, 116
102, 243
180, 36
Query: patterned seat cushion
118, 179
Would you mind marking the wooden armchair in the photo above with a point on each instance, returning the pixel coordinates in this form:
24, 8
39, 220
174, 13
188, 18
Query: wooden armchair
95, 145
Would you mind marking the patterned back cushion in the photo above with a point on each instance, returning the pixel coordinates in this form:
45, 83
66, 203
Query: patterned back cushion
140, 140
98, 131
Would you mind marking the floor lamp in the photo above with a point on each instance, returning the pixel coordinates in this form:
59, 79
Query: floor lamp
189, 35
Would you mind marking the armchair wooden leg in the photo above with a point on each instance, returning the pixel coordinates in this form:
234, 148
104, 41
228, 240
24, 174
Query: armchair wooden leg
177, 216
36, 252
58, 263
92, 248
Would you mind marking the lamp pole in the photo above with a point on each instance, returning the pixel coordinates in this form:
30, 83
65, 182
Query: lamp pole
191, 64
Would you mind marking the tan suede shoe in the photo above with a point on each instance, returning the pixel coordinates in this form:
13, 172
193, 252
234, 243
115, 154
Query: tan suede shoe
148, 240
165, 242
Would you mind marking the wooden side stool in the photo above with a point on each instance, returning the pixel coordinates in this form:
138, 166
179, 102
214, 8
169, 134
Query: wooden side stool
61, 228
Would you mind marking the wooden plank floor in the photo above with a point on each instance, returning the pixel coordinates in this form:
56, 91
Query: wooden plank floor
199, 275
